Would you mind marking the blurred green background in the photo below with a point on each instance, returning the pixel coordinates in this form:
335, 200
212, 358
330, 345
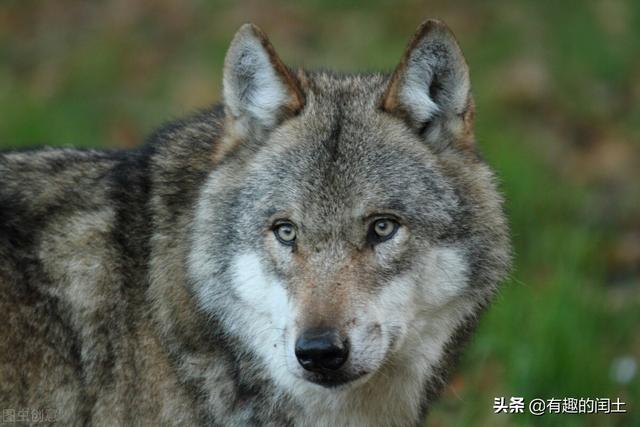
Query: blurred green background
557, 86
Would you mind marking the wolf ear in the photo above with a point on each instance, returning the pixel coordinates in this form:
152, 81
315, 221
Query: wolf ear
258, 89
430, 88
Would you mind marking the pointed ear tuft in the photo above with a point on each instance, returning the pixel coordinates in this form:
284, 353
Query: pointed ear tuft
430, 88
259, 91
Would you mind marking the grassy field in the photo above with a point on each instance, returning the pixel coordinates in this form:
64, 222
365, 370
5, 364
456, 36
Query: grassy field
557, 86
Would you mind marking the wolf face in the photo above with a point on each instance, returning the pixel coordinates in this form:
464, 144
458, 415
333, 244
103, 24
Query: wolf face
349, 229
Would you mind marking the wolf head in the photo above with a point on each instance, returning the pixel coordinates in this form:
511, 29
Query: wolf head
348, 226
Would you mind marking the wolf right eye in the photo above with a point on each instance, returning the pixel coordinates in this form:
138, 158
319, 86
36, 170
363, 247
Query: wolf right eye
382, 230
285, 233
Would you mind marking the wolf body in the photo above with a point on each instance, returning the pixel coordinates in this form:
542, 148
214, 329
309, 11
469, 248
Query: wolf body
313, 252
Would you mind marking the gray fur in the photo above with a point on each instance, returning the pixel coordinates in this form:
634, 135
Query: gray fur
120, 290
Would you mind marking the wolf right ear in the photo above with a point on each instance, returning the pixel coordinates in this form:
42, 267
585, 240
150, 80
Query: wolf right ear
259, 90
430, 88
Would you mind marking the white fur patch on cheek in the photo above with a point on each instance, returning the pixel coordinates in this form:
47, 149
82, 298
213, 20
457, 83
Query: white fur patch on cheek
265, 317
446, 275
439, 278
265, 295
393, 310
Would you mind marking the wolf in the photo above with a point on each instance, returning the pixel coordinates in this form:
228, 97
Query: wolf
315, 250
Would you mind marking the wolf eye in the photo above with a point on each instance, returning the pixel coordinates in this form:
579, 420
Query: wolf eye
285, 233
382, 230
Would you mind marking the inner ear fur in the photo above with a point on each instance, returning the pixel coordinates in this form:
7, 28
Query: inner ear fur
296, 98
430, 88
259, 91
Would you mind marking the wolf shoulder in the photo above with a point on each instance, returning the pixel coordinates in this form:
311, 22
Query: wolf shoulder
63, 208
74, 231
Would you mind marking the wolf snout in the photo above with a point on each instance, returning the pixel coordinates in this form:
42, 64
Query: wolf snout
321, 349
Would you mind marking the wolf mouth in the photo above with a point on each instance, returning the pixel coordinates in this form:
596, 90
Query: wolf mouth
334, 379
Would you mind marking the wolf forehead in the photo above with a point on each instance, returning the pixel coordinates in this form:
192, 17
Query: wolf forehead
322, 190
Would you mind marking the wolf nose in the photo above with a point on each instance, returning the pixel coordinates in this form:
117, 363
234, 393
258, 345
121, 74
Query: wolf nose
321, 349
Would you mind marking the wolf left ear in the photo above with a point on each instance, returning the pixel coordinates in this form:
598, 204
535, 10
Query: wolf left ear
430, 88
258, 89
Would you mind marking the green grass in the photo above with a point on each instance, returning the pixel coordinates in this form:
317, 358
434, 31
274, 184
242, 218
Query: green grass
106, 76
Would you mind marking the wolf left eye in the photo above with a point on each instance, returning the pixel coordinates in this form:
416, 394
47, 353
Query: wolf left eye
382, 230
285, 233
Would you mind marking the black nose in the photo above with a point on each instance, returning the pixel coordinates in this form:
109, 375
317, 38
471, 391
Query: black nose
321, 349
